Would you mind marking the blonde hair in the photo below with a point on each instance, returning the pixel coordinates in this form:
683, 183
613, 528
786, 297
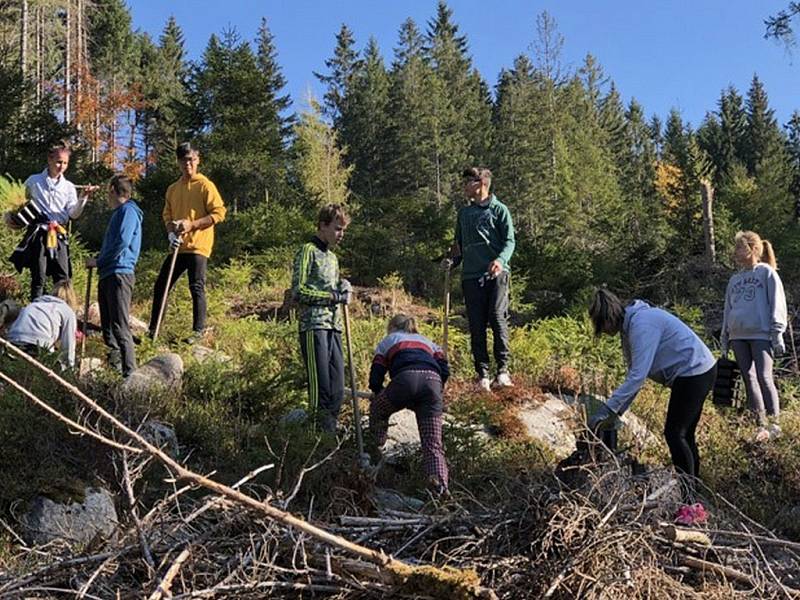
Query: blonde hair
65, 292
753, 249
606, 312
402, 322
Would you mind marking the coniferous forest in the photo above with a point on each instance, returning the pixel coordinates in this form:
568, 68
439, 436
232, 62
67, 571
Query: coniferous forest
602, 191
604, 194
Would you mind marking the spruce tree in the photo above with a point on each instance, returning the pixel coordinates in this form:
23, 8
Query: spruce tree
365, 124
425, 150
448, 54
762, 131
341, 67
237, 118
793, 151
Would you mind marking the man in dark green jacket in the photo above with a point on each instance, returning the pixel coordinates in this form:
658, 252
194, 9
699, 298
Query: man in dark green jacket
484, 243
318, 289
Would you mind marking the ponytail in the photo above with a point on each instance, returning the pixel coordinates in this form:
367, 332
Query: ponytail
402, 322
768, 255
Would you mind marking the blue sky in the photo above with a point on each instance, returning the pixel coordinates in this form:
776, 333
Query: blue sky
664, 53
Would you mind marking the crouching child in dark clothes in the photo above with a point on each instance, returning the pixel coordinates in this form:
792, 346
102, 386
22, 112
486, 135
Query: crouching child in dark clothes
418, 371
116, 263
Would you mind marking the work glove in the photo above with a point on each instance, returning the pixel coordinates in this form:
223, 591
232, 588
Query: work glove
343, 295
778, 345
602, 420
174, 240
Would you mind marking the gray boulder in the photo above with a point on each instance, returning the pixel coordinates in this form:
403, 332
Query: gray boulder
551, 423
403, 435
162, 372
74, 523
161, 435
296, 416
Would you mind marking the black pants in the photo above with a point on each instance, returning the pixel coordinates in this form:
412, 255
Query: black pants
195, 265
487, 304
683, 415
322, 357
43, 264
114, 297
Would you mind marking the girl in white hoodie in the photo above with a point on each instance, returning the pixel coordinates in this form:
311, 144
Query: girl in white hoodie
753, 324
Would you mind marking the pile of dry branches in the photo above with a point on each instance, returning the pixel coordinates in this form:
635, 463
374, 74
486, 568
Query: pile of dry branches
607, 535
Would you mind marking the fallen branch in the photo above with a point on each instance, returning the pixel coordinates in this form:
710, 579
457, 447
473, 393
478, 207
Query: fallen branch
166, 583
461, 582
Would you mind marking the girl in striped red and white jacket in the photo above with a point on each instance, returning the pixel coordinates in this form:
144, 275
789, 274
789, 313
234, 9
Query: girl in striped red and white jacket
418, 370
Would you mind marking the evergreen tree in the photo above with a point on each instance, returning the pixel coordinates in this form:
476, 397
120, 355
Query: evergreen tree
793, 151
341, 69
676, 141
611, 117
318, 162
448, 54
732, 144
165, 84
237, 118
273, 104
425, 149
365, 124
519, 150
762, 131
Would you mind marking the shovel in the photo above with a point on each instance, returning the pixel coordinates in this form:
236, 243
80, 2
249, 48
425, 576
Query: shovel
353, 388
85, 327
163, 306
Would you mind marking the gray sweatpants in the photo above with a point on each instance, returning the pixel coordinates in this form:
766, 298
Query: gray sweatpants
754, 358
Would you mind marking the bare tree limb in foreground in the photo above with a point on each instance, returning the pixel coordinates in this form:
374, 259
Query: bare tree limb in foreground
463, 583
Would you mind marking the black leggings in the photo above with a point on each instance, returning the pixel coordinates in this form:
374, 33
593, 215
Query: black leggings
683, 415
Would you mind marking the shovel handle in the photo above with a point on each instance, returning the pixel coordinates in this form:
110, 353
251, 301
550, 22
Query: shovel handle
353, 388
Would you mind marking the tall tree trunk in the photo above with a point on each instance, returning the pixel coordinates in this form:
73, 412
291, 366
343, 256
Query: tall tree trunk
79, 59
39, 53
23, 40
707, 193
68, 67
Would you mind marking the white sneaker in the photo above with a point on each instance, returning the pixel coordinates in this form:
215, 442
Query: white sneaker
774, 431
503, 380
484, 384
762, 435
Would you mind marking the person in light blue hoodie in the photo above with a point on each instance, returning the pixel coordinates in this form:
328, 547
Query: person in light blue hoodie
46, 323
753, 324
659, 346
116, 263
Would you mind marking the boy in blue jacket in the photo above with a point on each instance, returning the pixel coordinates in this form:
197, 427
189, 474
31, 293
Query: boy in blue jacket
115, 264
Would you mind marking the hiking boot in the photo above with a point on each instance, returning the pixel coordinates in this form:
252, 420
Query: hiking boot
484, 384
503, 379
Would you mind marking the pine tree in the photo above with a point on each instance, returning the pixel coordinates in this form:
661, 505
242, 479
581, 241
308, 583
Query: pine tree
318, 163
341, 69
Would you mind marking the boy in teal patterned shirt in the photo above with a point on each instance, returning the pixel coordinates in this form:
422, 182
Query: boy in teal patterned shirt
319, 291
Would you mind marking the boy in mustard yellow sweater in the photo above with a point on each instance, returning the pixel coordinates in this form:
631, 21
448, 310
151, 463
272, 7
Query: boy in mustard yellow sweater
191, 209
